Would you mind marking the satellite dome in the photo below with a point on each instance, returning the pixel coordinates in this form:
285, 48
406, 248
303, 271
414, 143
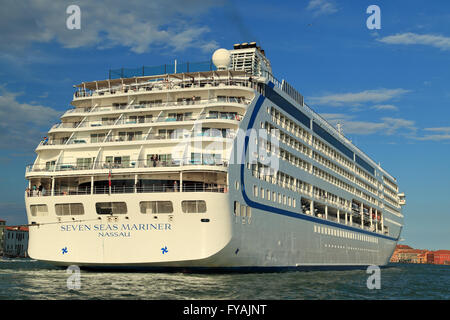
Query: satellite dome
221, 59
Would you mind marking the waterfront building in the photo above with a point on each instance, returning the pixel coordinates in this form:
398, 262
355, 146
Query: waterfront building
440, 257
2, 230
407, 254
16, 242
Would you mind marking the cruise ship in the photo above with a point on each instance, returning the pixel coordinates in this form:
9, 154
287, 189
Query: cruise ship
214, 165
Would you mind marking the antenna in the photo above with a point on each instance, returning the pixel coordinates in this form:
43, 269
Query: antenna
339, 128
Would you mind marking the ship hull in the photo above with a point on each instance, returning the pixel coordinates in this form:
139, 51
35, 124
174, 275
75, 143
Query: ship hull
216, 240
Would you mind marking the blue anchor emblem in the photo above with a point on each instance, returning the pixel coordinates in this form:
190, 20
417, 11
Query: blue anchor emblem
164, 250
64, 250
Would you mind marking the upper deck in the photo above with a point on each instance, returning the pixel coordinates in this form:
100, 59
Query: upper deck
145, 110
191, 81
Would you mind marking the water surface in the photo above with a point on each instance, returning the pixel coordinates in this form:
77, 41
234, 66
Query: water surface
29, 279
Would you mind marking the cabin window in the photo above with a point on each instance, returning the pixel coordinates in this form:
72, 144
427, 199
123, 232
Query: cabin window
39, 210
255, 191
111, 207
97, 137
249, 212
118, 162
50, 165
237, 208
69, 209
193, 206
151, 207
243, 211
196, 158
84, 163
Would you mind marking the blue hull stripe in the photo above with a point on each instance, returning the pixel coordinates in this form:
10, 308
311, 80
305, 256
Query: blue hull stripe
291, 214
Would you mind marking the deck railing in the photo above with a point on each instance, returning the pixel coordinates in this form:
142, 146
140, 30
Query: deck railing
127, 164
163, 85
100, 123
176, 135
151, 105
124, 190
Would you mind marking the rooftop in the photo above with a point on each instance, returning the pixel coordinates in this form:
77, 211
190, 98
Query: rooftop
442, 251
17, 228
402, 246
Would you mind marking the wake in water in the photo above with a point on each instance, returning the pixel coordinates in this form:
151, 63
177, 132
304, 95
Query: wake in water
6, 259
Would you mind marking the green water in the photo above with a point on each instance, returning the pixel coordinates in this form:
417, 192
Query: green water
28, 279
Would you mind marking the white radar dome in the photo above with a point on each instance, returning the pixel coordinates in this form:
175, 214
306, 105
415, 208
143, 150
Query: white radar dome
221, 59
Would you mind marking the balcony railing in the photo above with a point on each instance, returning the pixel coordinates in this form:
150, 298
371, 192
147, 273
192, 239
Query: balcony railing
152, 105
163, 85
119, 138
175, 135
128, 121
147, 163
78, 110
123, 189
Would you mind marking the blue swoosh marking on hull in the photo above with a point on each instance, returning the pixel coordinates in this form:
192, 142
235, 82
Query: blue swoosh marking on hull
291, 214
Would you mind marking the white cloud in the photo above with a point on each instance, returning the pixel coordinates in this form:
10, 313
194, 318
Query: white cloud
23, 124
410, 38
321, 7
337, 116
392, 125
358, 98
439, 129
443, 133
138, 25
434, 137
385, 107
386, 126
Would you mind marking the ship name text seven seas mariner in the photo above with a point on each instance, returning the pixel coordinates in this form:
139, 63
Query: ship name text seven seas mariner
115, 230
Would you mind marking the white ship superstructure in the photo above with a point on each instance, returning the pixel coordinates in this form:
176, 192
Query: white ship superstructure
152, 170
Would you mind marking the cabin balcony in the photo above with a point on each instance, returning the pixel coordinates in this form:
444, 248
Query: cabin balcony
183, 103
125, 165
155, 182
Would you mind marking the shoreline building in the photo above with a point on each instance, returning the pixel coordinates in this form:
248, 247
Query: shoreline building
407, 254
15, 242
439, 257
2, 231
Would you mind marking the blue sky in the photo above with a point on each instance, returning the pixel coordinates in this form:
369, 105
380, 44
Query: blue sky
389, 88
